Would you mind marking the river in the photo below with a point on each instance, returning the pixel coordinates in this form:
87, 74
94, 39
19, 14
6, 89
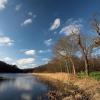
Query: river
21, 87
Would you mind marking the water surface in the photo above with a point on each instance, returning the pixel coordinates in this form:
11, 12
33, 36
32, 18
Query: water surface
21, 87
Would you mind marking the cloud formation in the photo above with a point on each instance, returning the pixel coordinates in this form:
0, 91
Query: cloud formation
46, 60
25, 61
30, 52
5, 41
72, 28
26, 22
8, 60
32, 15
55, 24
44, 51
48, 42
21, 63
3, 4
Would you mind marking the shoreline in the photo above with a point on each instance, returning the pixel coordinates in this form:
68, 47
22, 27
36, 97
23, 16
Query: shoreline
69, 84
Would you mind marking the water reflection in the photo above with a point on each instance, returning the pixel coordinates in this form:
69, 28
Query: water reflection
21, 87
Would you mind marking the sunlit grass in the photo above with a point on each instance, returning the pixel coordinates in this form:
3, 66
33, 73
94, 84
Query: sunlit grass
79, 86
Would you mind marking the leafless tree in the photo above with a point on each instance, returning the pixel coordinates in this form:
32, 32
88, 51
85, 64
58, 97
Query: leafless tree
64, 49
85, 51
95, 23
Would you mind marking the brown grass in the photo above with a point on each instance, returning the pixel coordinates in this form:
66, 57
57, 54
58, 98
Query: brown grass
58, 76
90, 86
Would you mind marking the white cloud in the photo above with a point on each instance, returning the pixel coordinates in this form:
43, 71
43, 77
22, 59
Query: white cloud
5, 41
44, 51
25, 61
46, 60
32, 65
21, 63
48, 42
72, 28
30, 52
55, 24
27, 22
18, 7
32, 15
8, 60
3, 4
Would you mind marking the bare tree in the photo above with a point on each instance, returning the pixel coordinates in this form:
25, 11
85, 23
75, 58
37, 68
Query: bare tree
95, 23
84, 45
64, 49
85, 51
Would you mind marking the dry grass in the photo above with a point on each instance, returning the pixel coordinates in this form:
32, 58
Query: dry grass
63, 77
90, 86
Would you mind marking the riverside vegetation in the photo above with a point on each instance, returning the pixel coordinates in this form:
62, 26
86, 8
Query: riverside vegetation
70, 87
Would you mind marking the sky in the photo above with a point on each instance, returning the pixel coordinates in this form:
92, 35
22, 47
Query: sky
30, 28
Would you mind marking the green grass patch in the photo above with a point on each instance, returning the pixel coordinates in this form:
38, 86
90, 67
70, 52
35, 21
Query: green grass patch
94, 75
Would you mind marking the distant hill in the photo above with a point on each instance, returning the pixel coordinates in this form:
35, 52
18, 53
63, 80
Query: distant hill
29, 70
7, 68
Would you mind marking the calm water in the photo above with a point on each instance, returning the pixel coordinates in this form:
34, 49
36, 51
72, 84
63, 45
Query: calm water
21, 87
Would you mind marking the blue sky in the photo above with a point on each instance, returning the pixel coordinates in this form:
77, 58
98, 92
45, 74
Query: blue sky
29, 28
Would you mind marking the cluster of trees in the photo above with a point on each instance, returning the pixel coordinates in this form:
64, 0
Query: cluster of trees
75, 52
58, 65
68, 47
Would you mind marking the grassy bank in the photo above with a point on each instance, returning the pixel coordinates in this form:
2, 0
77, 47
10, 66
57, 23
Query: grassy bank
72, 87
93, 75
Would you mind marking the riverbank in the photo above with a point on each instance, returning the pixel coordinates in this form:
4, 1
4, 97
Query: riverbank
71, 87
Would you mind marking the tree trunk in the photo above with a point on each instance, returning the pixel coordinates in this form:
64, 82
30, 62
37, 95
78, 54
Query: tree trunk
67, 67
84, 54
86, 60
73, 66
61, 68
86, 65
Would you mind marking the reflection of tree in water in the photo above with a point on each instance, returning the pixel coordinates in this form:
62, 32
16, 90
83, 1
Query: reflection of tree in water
3, 79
